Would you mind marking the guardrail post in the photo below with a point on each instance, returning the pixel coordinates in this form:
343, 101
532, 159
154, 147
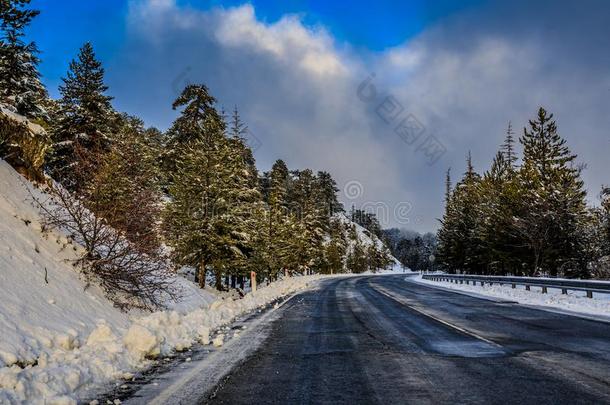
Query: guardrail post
482, 283
589, 294
564, 291
544, 290
513, 285
527, 287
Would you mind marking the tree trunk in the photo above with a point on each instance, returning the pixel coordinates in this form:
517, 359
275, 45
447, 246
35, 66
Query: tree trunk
233, 281
218, 280
241, 281
201, 273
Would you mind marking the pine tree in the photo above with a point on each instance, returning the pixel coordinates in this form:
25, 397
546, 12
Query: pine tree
498, 206
20, 84
460, 246
445, 234
126, 185
555, 200
279, 220
605, 218
327, 190
207, 221
335, 249
278, 187
357, 260
86, 117
237, 132
508, 147
448, 186
310, 218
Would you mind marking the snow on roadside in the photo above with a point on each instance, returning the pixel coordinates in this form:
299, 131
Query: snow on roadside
69, 373
44, 305
575, 301
60, 341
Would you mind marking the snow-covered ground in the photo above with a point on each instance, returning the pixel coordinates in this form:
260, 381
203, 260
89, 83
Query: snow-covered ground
60, 341
574, 301
367, 239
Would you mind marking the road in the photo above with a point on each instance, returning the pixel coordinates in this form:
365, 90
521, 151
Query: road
380, 339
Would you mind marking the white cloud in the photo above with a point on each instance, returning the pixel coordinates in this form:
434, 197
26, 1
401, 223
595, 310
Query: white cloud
288, 40
297, 89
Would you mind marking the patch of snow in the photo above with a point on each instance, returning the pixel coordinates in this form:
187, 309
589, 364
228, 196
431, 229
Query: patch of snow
574, 301
218, 340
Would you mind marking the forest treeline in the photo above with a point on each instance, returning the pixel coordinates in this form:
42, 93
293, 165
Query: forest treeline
143, 201
527, 215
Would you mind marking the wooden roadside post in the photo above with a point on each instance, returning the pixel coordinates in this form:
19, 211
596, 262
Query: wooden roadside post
253, 280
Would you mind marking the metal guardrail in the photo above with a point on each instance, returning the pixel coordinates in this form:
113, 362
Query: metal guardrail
544, 283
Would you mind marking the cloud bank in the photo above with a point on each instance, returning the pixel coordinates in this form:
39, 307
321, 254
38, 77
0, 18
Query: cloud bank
388, 122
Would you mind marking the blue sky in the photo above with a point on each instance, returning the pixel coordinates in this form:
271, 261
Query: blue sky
64, 25
462, 69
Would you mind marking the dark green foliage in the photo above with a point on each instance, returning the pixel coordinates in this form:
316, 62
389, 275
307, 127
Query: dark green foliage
85, 118
526, 220
207, 218
20, 84
367, 220
327, 187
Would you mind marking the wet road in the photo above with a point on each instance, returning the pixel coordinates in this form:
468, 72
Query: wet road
383, 340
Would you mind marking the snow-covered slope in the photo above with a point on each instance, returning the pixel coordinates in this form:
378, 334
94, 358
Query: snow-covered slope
368, 239
44, 305
60, 341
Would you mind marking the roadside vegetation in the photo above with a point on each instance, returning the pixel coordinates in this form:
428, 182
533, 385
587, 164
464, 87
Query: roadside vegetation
145, 203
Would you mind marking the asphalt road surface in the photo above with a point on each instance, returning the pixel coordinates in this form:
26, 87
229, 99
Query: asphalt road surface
380, 339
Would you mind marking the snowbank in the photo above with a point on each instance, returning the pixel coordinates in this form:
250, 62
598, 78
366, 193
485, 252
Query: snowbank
575, 301
59, 341
69, 373
44, 305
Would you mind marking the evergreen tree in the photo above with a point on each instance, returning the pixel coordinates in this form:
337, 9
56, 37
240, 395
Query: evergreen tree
327, 190
445, 235
86, 118
310, 219
357, 261
555, 200
127, 185
20, 84
605, 219
237, 132
460, 247
508, 147
367, 220
335, 249
448, 185
210, 190
274, 236
499, 202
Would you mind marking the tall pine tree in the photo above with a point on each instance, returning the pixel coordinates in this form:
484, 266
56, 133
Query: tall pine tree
86, 118
206, 221
555, 200
20, 84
